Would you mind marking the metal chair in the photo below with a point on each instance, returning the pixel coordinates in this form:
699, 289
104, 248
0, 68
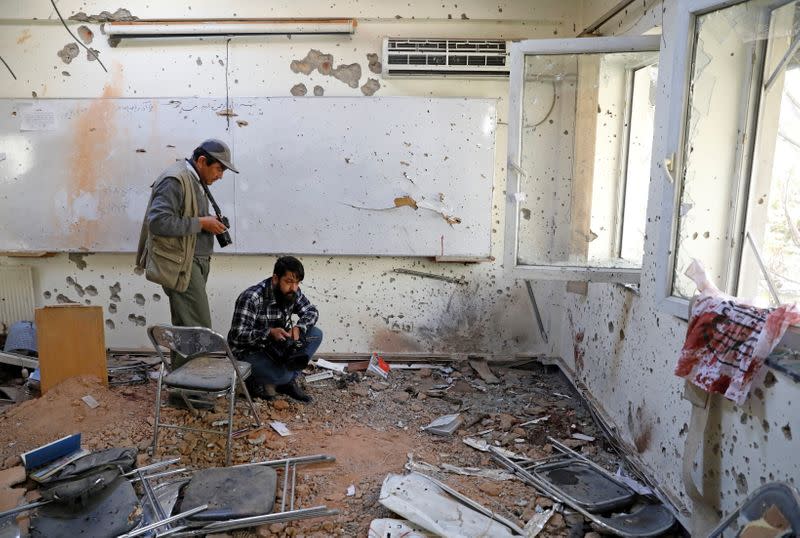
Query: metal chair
210, 370
217, 500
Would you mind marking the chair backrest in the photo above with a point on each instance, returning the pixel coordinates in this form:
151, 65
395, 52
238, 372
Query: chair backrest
187, 341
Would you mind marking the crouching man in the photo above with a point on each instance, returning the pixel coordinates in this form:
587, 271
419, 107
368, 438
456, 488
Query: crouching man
262, 332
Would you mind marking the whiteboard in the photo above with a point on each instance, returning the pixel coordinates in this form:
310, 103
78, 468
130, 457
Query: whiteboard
402, 176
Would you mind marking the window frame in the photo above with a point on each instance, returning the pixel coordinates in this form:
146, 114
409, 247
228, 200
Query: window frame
519, 51
671, 164
630, 78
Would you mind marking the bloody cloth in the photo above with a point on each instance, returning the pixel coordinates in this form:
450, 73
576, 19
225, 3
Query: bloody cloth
728, 341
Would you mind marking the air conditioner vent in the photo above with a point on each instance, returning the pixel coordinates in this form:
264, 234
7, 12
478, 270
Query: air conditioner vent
472, 58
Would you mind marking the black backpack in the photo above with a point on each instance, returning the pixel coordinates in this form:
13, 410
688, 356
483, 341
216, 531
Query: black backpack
87, 476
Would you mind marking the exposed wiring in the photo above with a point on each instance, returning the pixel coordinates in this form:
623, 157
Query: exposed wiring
552, 106
78, 41
7, 67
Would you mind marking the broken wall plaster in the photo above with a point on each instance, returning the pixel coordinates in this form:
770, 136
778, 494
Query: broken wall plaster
68, 53
374, 63
85, 34
121, 14
299, 90
370, 87
315, 60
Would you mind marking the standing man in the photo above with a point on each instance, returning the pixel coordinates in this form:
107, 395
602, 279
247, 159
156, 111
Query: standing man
262, 332
177, 237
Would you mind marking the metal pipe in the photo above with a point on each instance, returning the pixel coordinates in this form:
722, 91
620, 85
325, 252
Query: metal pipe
205, 27
300, 460
157, 524
161, 475
156, 465
232, 524
294, 481
285, 485
23, 508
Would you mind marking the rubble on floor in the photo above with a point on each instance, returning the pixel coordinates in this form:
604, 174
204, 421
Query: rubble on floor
372, 426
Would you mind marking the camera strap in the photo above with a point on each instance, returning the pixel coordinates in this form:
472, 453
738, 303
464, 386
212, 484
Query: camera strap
211, 199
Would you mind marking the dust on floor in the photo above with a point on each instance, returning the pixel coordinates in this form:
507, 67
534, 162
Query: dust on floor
369, 425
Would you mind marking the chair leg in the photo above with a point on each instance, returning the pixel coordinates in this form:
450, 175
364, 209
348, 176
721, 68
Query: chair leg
250, 402
158, 410
232, 400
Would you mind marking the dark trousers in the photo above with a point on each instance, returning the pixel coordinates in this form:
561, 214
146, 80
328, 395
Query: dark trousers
268, 372
190, 308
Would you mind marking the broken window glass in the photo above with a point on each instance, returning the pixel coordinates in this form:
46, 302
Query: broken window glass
738, 212
587, 123
773, 218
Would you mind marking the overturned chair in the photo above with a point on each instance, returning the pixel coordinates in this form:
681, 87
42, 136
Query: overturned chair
223, 499
97, 497
210, 371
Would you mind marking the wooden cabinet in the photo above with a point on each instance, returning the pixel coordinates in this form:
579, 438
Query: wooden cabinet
71, 342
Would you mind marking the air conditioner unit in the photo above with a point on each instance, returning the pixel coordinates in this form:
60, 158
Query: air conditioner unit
462, 58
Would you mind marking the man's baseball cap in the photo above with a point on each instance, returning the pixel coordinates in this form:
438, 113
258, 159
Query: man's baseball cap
220, 151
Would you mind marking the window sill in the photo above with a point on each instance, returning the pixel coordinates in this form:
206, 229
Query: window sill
620, 275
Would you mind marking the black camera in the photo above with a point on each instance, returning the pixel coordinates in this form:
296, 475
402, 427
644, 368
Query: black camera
224, 238
288, 352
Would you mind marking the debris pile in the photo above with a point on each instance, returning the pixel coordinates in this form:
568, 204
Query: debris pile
439, 421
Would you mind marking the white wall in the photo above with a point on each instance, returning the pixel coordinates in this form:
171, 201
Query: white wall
624, 349
617, 342
364, 305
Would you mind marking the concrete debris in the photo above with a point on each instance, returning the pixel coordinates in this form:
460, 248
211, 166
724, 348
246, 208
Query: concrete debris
280, 427
490, 488
12, 476
369, 423
313, 378
69, 52
370, 87
336, 367
535, 421
482, 369
445, 425
280, 405
299, 90
483, 446
90, 401
361, 390
401, 397
119, 15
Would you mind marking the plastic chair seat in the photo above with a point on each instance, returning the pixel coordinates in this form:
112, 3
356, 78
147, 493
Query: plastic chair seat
205, 373
230, 493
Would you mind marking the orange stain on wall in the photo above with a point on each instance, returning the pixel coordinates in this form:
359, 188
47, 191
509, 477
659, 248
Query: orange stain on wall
94, 135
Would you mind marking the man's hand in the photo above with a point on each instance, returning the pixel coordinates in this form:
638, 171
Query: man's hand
295, 333
279, 334
212, 225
